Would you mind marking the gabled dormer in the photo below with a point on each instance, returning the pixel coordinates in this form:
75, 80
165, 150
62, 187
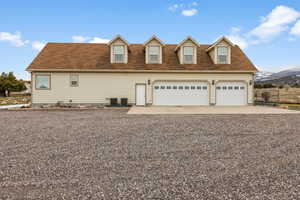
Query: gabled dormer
187, 51
220, 51
153, 50
119, 49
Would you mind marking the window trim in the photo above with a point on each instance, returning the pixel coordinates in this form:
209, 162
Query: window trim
227, 56
113, 53
159, 54
35, 81
183, 55
77, 80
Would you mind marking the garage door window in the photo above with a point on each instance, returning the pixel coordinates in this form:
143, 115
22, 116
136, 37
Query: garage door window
242, 87
204, 87
236, 87
156, 87
230, 88
193, 87
218, 88
162, 87
180, 87
224, 88
174, 87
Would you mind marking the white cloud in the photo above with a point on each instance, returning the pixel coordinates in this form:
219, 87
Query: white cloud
78, 38
186, 9
195, 3
81, 39
13, 39
296, 29
99, 40
239, 40
235, 30
37, 45
174, 7
275, 23
189, 12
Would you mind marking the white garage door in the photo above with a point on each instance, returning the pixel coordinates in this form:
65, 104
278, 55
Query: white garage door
231, 93
181, 93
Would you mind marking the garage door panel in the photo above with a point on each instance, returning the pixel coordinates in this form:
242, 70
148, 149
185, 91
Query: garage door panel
181, 93
231, 93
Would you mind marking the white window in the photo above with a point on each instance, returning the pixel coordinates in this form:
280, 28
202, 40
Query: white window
222, 55
188, 55
42, 82
119, 53
74, 80
154, 54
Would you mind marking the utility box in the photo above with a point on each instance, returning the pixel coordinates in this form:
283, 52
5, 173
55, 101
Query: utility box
113, 101
124, 101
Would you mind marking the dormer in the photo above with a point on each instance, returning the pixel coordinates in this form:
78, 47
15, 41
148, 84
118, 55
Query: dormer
119, 48
220, 51
153, 50
187, 51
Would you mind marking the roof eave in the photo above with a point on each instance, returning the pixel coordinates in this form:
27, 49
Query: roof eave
137, 71
218, 41
154, 38
186, 39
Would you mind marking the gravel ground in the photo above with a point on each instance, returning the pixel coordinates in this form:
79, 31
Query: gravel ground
106, 154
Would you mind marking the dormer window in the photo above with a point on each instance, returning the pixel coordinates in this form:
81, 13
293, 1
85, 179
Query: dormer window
187, 51
188, 55
119, 49
220, 51
154, 52
222, 57
119, 53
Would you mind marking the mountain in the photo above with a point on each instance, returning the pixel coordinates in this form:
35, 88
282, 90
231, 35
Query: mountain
286, 77
262, 75
288, 72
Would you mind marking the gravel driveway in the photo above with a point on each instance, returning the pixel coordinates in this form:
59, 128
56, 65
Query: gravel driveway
106, 154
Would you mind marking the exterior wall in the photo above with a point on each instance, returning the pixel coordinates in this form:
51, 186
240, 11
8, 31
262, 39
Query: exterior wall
97, 88
153, 43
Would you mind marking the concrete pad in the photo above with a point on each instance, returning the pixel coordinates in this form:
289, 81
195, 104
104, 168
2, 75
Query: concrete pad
204, 110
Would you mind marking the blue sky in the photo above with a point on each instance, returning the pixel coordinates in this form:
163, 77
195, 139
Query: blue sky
267, 30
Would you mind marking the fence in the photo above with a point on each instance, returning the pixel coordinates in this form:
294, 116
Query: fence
276, 95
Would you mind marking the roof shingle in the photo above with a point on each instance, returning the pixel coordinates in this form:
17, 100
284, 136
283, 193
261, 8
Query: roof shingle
88, 56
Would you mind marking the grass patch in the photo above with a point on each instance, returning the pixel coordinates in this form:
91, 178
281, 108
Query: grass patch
291, 106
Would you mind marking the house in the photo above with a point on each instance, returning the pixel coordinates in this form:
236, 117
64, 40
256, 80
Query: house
153, 73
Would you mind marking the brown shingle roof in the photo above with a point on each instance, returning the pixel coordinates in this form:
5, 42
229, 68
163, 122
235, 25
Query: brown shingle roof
87, 56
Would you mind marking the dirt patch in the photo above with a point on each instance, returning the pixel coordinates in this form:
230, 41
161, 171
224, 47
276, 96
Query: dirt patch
14, 100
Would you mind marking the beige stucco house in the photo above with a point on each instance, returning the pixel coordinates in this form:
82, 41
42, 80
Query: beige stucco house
153, 73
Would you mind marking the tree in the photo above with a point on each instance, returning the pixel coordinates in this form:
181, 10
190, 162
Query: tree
9, 83
258, 85
268, 85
